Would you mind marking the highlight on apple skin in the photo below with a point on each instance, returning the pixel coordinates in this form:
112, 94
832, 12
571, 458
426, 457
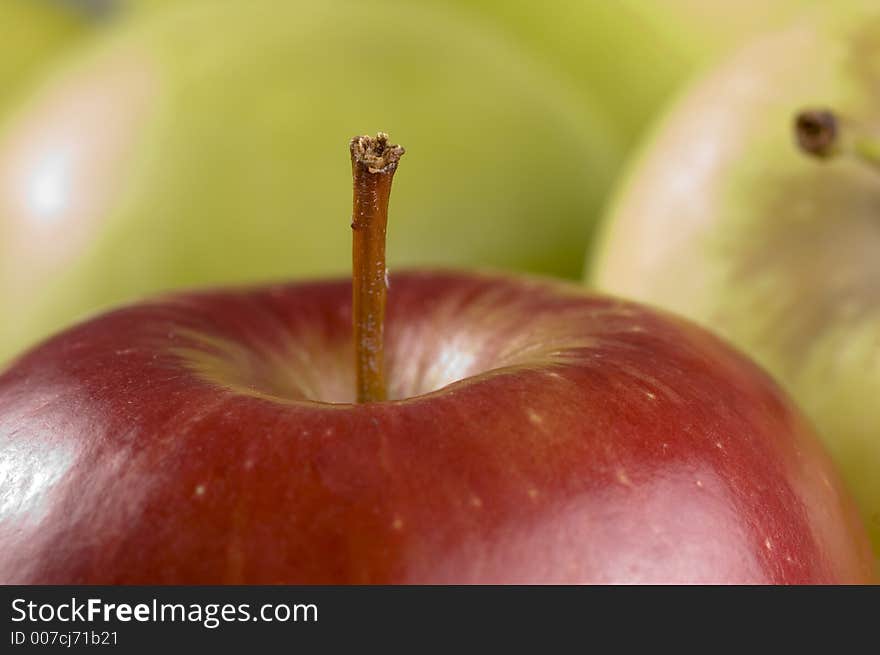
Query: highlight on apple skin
723, 219
534, 434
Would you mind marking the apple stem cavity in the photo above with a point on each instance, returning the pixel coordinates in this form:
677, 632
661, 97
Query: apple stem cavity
825, 135
373, 163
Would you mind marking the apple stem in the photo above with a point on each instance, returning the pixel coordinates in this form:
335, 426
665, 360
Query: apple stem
823, 134
373, 163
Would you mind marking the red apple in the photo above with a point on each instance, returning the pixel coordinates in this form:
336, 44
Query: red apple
536, 434
501, 430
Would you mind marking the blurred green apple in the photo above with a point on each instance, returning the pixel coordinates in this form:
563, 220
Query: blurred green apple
33, 33
200, 145
630, 55
626, 56
724, 220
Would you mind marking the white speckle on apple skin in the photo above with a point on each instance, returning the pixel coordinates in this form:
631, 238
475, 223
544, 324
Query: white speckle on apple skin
200, 490
623, 478
397, 524
768, 544
534, 417
476, 501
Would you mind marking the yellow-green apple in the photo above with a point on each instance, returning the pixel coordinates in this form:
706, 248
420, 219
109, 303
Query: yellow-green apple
724, 220
32, 34
207, 126
630, 55
624, 57
501, 429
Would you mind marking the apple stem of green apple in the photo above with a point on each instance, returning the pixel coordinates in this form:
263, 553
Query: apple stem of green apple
373, 164
824, 134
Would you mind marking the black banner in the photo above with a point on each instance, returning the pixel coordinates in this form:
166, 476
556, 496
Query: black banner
414, 619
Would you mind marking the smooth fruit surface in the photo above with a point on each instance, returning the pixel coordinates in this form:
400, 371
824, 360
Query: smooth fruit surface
630, 56
723, 220
201, 144
540, 435
32, 34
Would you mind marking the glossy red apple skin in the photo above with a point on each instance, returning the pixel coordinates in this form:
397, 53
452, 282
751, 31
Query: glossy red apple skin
172, 442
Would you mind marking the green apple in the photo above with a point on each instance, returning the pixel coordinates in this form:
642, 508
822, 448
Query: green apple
629, 55
626, 56
33, 33
199, 144
724, 220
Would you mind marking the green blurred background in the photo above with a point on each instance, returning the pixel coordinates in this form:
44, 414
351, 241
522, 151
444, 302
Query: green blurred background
153, 144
